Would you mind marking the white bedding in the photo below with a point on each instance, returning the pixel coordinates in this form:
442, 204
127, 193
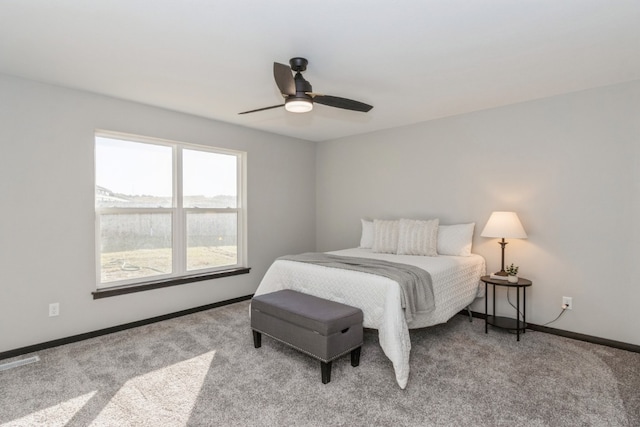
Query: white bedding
455, 285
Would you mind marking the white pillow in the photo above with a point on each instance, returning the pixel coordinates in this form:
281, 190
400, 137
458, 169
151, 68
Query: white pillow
418, 237
455, 239
385, 236
366, 240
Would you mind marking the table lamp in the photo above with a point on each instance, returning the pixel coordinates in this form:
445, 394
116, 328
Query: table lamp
503, 225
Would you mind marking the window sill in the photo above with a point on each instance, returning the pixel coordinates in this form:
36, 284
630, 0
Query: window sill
128, 289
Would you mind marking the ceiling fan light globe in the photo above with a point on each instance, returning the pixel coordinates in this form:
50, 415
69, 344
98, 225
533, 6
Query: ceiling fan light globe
298, 106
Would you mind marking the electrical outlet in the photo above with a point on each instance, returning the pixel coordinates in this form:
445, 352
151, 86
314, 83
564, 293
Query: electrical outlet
567, 302
54, 309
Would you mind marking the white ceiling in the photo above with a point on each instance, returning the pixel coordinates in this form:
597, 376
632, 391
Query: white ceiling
413, 60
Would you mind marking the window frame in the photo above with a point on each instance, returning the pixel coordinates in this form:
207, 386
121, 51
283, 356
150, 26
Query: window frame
178, 212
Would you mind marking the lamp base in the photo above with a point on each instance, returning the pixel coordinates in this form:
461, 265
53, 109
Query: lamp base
501, 273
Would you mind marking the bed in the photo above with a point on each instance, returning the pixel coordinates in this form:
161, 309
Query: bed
455, 282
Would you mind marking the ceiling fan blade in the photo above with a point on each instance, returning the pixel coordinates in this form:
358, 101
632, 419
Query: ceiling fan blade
347, 104
284, 79
262, 109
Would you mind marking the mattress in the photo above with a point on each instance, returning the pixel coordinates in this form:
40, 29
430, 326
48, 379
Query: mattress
456, 283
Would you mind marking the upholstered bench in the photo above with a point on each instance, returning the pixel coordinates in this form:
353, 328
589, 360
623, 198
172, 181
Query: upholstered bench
318, 327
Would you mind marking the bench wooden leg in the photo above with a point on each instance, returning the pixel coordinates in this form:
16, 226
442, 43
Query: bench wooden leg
325, 368
355, 356
257, 339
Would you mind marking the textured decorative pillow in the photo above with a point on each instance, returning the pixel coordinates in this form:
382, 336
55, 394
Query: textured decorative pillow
385, 236
366, 240
455, 239
418, 237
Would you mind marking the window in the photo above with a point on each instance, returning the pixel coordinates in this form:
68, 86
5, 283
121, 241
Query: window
166, 210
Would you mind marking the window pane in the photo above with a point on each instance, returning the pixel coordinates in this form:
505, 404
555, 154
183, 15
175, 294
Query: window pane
135, 246
133, 174
212, 240
209, 179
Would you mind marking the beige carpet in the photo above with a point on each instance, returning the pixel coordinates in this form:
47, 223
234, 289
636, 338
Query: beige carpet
202, 370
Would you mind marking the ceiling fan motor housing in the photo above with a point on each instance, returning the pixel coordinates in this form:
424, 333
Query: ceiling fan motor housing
302, 86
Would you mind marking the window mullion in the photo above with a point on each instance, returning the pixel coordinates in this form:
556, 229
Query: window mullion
179, 220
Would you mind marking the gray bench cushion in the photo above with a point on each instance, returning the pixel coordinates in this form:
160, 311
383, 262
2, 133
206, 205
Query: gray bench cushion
317, 314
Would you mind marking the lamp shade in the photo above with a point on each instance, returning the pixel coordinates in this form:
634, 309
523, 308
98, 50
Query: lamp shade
504, 225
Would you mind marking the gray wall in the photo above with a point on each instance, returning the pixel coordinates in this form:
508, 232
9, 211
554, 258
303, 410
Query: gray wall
567, 165
47, 215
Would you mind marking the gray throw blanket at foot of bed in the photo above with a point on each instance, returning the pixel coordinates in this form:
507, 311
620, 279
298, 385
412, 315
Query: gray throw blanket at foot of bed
415, 283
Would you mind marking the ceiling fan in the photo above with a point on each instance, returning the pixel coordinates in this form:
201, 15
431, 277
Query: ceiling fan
298, 94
